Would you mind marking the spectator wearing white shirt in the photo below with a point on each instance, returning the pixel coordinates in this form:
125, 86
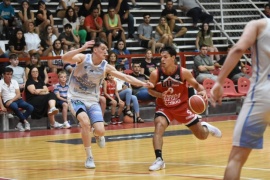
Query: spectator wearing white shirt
32, 40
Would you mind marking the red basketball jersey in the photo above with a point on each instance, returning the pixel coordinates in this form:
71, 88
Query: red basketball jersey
111, 86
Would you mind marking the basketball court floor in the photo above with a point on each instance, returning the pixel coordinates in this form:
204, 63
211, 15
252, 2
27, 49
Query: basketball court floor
59, 154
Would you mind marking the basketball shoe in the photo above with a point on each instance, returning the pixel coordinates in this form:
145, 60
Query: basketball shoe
100, 141
157, 165
214, 131
89, 163
27, 126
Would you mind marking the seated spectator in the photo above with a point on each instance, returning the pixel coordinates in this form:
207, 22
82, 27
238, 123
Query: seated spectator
26, 14
140, 92
17, 44
42, 70
193, 10
113, 99
122, 8
38, 95
47, 39
88, 5
125, 93
94, 25
145, 34
204, 36
171, 14
56, 65
71, 18
32, 40
60, 90
236, 73
63, 6
203, 66
147, 66
120, 49
10, 97
112, 59
18, 72
2, 64
163, 33
114, 29
266, 11
68, 38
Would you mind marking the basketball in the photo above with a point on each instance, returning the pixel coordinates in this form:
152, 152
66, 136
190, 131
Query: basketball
197, 104
128, 119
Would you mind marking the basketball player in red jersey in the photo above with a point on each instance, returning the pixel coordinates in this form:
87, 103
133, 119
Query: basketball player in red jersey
172, 102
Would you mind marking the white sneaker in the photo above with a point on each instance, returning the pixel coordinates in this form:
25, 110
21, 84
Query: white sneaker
100, 141
57, 125
20, 127
213, 130
10, 116
53, 111
27, 126
89, 163
66, 125
157, 165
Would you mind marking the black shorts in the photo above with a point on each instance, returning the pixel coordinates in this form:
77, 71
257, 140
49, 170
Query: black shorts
144, 43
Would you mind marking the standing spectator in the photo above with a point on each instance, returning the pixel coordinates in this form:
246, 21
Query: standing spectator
10, 97
145, 34
93, 24
7, 18
171, 14
32, 40
87, 6
113, 99
71, 18
120, 49
26, 14
60, 90
18, 72
204, 37
163, 33
193, 10
113, 27
56, 65
68, 38
203, 66
17, 44
63, 6
148, 65
122, 8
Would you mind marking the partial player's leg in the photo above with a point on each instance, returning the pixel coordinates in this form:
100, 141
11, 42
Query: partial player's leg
237, 159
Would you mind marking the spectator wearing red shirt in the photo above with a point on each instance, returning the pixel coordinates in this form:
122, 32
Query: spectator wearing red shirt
94, 25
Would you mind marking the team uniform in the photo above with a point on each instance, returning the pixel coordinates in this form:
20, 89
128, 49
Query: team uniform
84, 88
175, 104
251, 124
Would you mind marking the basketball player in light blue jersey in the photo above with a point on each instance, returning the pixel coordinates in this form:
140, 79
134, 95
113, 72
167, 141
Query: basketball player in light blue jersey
252, 120
84, 91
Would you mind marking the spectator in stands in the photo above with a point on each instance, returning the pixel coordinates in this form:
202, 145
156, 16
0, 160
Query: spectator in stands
237, 72
120, 49
42, 70
112, 58
2, 64
147, 66
113, 27
68, 38
193, 10
60, 90
38, 95
125, 93
203, 66
113, 99
204, 36
7, 15
26, 14
163, 33
10, 97
140, 92
146, 36
162, 4
266, 11
87, 6
122, 8
18, 72
47, 39
71, 18
171, 14
17, 44
93, 24
63, 6
32, 40
56, 65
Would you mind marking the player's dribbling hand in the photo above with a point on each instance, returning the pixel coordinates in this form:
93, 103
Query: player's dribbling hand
216, 94
203, 94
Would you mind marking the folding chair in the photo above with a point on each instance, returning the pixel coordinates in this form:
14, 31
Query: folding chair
243, 84
53, 79
229, 89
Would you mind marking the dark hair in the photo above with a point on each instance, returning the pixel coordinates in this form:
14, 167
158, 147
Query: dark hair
67, 26
13, 56
7, 69
71, 18
14, 37
94, 8
28, 12
266, 5
146, 14
203, 45
203, 31
36, 55
169, 1
55, 42
40, 2
109, 55
98, 42
30, 73
169, 49
116, 44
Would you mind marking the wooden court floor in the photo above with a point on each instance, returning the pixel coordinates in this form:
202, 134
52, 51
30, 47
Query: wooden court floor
59, 154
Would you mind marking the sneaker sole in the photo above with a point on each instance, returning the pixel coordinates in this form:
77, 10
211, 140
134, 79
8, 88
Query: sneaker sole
20, 130
54, 112
163, 167
90, 167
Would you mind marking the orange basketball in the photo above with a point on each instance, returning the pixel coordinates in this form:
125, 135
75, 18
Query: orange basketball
128, 119
197, 104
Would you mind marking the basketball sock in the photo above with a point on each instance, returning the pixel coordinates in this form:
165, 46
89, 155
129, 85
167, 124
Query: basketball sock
88, 151
158, 153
